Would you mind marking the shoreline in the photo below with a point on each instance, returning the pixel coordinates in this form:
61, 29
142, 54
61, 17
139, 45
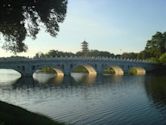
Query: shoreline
15, 115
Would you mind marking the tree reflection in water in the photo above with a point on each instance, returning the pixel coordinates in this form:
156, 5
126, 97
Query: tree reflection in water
156, 89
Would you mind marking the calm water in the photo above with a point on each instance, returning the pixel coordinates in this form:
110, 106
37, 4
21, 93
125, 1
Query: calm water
85, 100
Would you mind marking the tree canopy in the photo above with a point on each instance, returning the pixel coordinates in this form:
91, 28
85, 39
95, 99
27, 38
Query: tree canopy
91, 53
162, 58
22, 18
156, 46
95, 53
54, 53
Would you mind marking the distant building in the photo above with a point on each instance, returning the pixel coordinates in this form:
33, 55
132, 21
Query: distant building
84, 46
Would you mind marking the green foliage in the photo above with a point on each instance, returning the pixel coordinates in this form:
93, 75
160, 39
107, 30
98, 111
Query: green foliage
162, 58
22, 18
91, 53
143, 55
54, 53
157, 45
13, 115
155, 48
95, 53
131, 55
133, 71
80, 69
109, 71
47, 70
153, 59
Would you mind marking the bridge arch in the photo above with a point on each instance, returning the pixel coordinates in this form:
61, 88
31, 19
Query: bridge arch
115, 70
137, 71
49, 69
85, 68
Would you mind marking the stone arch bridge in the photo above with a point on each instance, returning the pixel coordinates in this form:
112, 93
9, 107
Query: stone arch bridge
65, 65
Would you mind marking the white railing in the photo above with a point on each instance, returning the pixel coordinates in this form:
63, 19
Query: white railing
74, 58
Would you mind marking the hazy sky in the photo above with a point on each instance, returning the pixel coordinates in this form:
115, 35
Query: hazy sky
112, 25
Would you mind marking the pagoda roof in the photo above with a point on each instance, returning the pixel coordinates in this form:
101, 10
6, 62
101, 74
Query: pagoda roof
84, 42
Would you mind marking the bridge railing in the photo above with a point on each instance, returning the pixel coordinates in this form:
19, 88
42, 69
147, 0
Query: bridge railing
75, 58
92, 58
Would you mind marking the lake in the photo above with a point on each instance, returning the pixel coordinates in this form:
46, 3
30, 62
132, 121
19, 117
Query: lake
80, 99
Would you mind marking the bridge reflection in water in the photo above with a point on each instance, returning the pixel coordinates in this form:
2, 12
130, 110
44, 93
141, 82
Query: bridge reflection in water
84, 78
104, 100
47, 79
10, 77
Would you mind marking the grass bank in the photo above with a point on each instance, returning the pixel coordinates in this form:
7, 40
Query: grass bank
47, 70
109, 71
133, 71
13, 115
80, 69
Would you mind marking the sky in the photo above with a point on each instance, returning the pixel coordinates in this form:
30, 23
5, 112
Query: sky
116, 26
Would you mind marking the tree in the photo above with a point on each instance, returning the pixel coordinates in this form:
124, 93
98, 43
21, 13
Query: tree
142, 55
162, 58
39, 55
22, 18
157, 45
131, 55
54, 53
95, 53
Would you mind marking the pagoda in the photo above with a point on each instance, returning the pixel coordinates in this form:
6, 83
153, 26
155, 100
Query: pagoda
84, 46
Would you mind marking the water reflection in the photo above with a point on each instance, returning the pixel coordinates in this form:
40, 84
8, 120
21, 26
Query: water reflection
57, 80
8, 77
156, 92
102, 100
84, 78
24, 83
112, 78
43, 77
8, 80
156, 89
